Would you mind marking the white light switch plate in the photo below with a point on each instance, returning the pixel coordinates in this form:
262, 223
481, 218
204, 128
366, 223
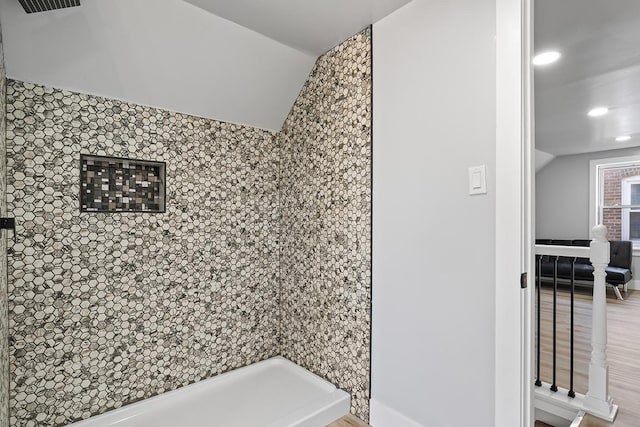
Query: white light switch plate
477, 180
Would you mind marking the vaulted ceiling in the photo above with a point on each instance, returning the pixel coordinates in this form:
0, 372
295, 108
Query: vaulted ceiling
239, 61
600, 66
309, 26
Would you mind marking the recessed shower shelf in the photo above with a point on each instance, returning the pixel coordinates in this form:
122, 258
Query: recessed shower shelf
113, 184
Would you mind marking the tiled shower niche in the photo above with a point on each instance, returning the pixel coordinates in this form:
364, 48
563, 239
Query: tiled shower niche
111, 184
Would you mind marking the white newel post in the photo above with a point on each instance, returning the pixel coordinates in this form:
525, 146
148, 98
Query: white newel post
597, 401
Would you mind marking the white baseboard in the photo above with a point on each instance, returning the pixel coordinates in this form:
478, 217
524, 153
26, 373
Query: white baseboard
383, 416
634, 284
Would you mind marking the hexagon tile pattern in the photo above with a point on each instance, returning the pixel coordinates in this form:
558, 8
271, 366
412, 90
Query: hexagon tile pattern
4, 320
107, 309
326, 217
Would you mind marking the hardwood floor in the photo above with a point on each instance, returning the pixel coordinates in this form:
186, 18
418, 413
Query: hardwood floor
623, 318
623, 352
348, 421
351, 421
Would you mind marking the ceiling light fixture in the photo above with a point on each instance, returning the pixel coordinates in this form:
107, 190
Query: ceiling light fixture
623, 138
598, 111
546, 58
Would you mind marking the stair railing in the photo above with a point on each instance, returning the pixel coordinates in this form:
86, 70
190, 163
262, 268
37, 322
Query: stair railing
550, 397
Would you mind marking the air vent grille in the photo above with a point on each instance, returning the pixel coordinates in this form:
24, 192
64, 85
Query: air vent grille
32, 6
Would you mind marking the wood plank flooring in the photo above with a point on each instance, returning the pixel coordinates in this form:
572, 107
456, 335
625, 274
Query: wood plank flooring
623, 349
349, 421
623, 319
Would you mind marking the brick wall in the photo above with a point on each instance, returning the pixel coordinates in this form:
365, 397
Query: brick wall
612, 218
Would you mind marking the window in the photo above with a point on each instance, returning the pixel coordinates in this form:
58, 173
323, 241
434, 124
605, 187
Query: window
631, 216
615, 197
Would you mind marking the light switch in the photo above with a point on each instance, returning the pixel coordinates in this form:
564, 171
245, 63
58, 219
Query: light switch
477, 180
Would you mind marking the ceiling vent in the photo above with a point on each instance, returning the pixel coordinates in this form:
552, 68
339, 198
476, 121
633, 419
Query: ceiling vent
32, 6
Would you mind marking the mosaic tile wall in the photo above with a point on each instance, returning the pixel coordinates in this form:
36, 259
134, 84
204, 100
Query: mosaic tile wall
4, 339
110, 184
107, 309
326, 212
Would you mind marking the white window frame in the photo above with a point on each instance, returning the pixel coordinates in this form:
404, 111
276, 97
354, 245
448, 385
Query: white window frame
596, 169
626, 200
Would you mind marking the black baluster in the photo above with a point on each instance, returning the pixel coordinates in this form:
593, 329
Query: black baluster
554, 387
539, 285
572, 393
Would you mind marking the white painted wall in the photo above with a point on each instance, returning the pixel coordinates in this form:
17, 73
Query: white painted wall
163, 53
562, 195
434, 245
562, 199
542, 159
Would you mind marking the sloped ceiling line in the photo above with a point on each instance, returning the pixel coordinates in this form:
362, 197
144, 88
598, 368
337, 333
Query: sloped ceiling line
173, 55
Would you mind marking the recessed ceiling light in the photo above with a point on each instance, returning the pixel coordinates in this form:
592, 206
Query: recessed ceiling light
598, 111
546, 58
623, 138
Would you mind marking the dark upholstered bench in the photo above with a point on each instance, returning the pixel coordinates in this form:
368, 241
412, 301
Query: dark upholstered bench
618, 271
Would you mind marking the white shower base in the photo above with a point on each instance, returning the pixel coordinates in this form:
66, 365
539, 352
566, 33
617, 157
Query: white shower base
272, 393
